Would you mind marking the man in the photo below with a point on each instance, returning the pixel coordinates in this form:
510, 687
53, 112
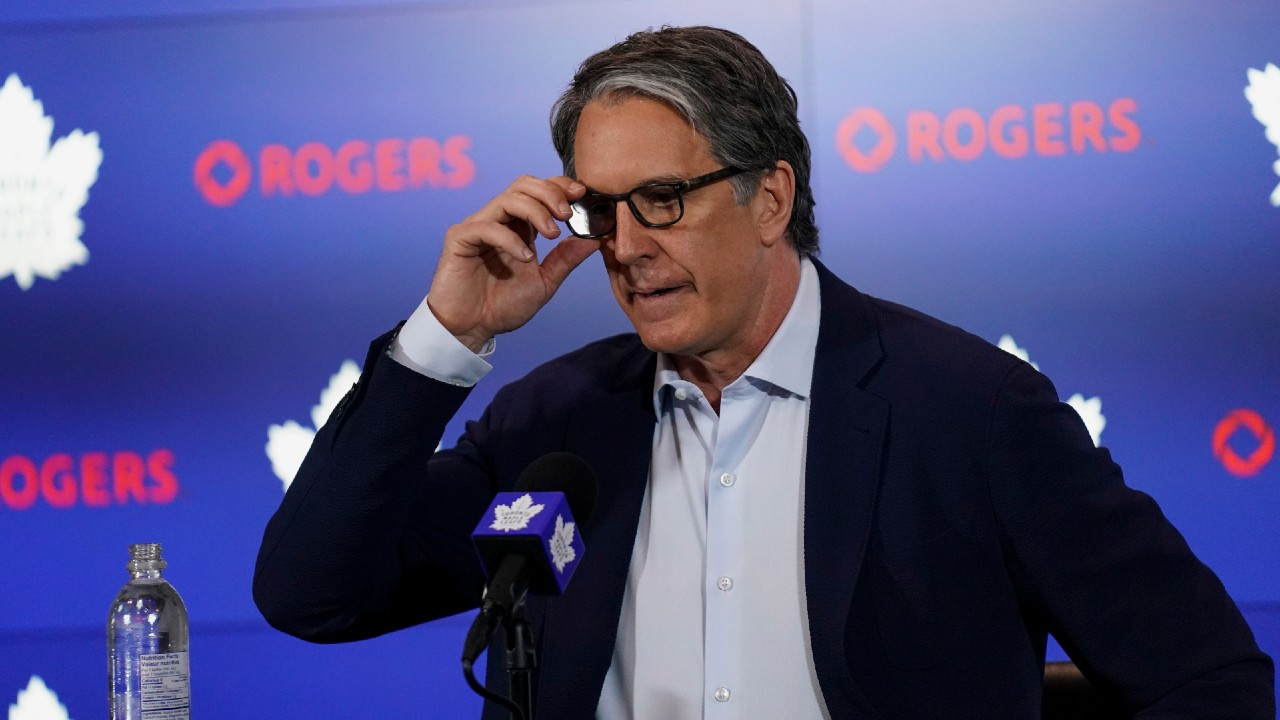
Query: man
813, 502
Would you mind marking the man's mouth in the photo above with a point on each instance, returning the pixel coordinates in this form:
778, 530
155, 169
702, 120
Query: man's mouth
655, 293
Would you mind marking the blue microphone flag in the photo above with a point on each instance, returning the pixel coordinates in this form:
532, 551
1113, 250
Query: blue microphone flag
538, 526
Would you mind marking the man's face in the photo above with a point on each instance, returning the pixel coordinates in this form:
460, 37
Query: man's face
694, 288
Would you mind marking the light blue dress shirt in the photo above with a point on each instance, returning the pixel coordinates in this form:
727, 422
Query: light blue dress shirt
714, 623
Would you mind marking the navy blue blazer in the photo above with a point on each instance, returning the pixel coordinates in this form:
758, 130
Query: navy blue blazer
955, 513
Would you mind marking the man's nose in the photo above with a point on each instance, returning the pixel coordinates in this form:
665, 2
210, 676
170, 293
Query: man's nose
632, 241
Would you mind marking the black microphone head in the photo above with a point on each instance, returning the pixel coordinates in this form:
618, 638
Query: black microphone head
566, 473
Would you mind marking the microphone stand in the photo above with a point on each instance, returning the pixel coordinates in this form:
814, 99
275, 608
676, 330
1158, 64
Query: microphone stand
522, 658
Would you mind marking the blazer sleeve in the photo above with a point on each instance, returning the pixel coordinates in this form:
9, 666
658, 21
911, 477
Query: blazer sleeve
373, 534
1117, 584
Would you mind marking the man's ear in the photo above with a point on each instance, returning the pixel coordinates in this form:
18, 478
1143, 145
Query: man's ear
777, 199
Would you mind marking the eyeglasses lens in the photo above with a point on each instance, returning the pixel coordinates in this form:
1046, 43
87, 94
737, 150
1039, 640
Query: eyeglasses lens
592, 216
658, 204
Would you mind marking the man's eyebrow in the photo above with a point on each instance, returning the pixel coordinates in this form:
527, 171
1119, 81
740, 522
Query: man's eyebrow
668, 179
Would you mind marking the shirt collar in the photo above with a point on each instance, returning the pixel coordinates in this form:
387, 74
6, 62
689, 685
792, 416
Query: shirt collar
786, 361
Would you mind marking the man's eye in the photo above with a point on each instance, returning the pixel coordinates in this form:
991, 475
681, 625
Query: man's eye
595, 205
660, 196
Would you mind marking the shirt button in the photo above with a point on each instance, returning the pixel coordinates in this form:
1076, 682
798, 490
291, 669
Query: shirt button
725, 583
727, 479
681, 394
722, 694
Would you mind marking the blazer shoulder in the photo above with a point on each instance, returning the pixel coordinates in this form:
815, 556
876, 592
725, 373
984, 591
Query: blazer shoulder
599, 362
879, 341
923, 345
598, 368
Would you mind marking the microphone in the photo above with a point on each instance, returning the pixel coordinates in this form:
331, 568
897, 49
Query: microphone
528, 540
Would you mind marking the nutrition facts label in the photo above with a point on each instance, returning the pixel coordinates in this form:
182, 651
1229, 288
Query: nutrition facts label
166, 686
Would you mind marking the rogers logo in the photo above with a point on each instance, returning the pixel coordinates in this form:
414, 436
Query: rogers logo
223, 171
94, 479
1238, 423
868, 139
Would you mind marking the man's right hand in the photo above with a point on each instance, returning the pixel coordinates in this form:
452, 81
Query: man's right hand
488, 280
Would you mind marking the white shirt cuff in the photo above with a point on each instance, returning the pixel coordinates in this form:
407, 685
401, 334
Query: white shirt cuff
424, 346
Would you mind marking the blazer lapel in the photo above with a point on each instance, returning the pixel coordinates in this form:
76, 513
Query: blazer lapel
846, 436
615, 436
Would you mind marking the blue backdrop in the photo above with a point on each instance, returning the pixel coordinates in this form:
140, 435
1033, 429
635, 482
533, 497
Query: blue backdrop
268, 182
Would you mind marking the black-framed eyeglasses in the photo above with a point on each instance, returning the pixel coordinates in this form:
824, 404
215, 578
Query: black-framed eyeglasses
654, 205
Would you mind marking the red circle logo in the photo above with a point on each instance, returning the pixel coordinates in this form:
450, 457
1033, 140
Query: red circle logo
879, 154
222, 152
1249, 421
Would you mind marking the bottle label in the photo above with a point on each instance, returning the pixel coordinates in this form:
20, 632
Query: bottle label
166, 686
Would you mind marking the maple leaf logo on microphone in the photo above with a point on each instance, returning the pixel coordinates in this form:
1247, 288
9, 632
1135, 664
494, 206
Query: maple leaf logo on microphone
42, 189
1263, 93
515, 516
562, 552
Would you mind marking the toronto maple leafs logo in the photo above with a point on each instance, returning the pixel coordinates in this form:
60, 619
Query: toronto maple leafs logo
1009, 345
562, 552
42, 189
37, 702
515, 516
1089, 409
287, 444
1263, 93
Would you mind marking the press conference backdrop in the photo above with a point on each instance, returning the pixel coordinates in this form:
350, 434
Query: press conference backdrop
207, 210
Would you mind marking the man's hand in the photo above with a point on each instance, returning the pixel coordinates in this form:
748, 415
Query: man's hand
488, 280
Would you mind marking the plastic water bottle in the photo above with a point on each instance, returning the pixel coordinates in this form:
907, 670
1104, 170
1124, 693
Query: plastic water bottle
148, 670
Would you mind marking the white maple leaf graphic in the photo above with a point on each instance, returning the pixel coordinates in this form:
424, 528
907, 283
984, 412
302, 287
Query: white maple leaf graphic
1009, 345
1263, 93
562, 552
42, 189
1090, 410
37, 702
515, 516
287, 444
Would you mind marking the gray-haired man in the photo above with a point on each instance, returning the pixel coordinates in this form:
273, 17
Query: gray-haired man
814, 502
